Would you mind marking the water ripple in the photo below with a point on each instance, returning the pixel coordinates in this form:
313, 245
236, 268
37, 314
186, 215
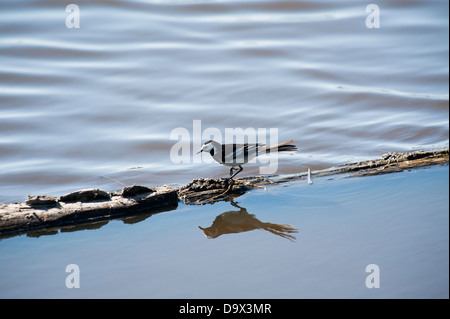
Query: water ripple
358, 89
103, 98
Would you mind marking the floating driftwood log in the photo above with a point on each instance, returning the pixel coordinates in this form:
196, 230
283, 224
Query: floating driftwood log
95, 205
388, 163
83, 206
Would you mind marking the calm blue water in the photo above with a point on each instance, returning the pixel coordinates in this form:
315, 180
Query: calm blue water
399, 222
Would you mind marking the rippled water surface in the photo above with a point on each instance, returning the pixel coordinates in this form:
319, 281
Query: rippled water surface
102, 100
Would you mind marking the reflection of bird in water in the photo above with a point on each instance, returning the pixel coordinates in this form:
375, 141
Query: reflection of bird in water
240, 221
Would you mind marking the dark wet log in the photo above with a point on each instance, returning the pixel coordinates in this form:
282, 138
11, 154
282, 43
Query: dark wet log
85, 195
134, 190
41, 200
210, 190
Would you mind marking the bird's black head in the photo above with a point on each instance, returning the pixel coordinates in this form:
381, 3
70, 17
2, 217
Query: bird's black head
207, 147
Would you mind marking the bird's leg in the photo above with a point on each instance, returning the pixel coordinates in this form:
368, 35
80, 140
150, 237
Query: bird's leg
240, 170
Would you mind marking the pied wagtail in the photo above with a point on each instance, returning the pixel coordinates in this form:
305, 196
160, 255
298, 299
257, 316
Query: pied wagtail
235, 155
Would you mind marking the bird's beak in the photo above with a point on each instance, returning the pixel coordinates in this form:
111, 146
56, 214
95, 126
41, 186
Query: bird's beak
201, 150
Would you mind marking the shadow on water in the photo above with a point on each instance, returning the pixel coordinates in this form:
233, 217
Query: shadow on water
237, 221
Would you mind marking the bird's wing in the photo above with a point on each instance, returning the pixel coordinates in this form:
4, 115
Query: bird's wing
239, 153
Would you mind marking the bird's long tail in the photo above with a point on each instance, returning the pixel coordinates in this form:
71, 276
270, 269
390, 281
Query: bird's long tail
287, 146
